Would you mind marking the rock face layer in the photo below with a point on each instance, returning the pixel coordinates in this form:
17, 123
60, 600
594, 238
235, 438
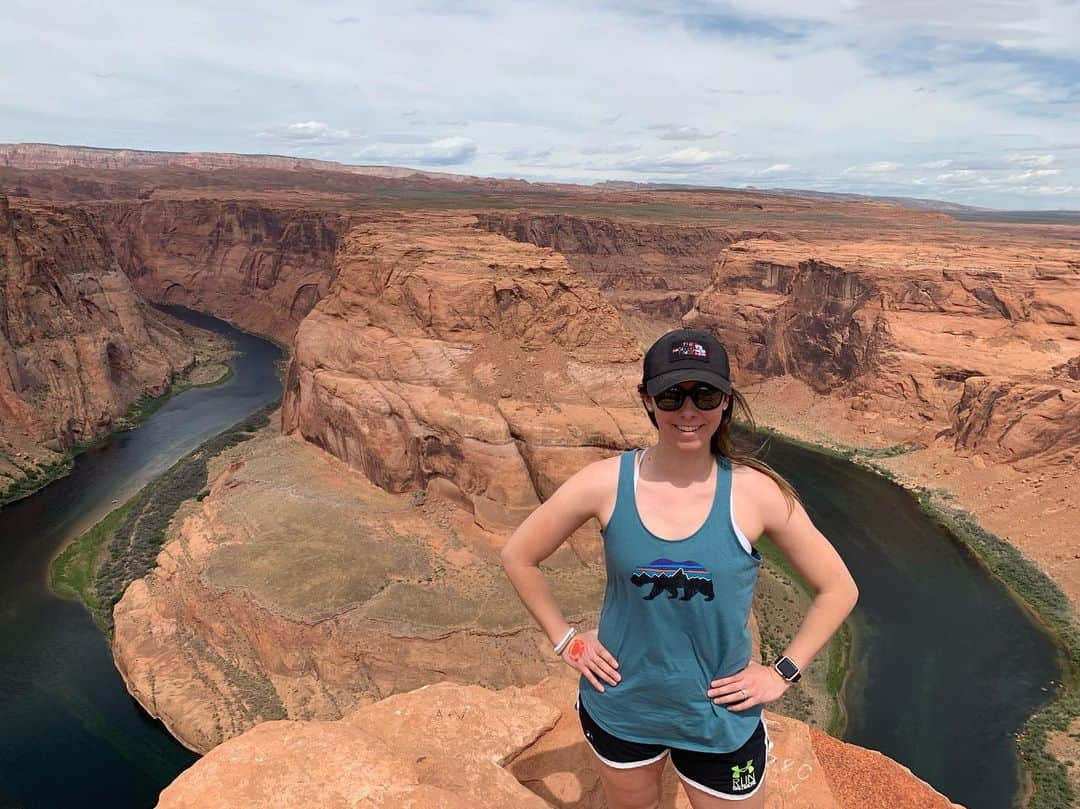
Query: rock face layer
448, 358
935, 339
651, 268
77, 343
445, 747
260, 266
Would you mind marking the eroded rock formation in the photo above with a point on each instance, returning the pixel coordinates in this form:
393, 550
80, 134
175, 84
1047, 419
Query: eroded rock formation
260, 266
445, 357
652, 268
77, 342
931, 337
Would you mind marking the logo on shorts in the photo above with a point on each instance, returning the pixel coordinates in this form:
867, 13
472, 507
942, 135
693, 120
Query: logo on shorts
743, 777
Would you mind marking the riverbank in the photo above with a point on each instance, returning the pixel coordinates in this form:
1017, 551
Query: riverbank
211, 366
1049, 746
99, 564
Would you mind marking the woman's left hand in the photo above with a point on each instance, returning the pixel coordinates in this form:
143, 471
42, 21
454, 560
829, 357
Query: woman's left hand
754, 685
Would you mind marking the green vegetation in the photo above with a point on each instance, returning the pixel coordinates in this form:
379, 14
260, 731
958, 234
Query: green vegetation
74, 570
839, 661
100, 564
35, 477
146, 405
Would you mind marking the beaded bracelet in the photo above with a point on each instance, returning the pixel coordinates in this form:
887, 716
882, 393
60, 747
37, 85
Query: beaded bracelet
566, 639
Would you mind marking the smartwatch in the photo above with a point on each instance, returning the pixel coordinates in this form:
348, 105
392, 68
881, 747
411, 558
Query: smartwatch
787, 669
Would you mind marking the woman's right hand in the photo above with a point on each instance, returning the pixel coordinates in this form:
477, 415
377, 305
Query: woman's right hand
586, 654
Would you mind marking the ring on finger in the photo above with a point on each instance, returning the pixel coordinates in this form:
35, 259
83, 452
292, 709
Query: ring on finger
743, 692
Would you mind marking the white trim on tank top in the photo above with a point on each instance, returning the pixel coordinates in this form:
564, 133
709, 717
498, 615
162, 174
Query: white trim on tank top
731, 506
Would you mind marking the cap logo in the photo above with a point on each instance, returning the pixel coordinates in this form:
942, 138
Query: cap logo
688, 349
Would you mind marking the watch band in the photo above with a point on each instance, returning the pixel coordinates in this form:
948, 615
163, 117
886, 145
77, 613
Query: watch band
787, 668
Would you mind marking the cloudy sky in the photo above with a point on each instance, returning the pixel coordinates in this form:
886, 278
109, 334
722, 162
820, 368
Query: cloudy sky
975, 102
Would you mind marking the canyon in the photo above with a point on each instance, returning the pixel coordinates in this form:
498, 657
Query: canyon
78, 344
456, 354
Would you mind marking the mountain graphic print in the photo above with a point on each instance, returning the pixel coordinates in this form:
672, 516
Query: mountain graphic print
665, 575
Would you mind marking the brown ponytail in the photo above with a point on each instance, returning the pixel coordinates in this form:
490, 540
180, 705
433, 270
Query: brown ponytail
723, 446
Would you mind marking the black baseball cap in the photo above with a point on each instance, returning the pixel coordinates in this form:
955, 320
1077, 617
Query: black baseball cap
682, 355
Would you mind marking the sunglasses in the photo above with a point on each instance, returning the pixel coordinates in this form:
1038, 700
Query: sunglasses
705, 397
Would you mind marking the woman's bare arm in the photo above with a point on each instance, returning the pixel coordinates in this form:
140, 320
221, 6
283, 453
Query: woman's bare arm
577, 500
540, 535
816, 560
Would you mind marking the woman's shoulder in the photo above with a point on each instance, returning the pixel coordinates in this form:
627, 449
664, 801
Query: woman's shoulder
754, 488
753, 482
591, 490
603, 472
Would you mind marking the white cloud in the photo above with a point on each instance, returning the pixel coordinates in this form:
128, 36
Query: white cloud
608, 148
879, 167
307, 133
936, 164
1032, 159
676, 161
682, 132
1023, 176
776, 168
1056, 190
693, 157
960, 175
442, 152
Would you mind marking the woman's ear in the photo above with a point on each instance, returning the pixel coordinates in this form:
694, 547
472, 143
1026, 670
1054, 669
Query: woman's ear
644, 398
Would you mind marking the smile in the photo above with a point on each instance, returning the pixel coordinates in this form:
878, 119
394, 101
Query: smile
687, 429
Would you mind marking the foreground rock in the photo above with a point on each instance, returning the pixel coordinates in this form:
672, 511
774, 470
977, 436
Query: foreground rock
298, 589
445, 747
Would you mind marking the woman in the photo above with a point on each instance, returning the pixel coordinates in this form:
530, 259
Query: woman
668, 671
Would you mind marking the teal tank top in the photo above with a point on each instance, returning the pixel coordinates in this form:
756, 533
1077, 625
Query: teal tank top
674, 616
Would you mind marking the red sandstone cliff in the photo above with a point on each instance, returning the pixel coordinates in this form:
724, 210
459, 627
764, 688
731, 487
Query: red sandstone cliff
451, 358
259, 266
934, 337
299, 589
655, 269
77, 342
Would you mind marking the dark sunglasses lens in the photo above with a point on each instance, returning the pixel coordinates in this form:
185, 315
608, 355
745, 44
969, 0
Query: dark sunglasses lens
707, 398
670, 399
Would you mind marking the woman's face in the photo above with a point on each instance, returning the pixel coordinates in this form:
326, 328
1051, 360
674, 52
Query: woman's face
687, 428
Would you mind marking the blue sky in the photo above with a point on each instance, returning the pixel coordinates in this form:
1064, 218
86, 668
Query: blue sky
972, 102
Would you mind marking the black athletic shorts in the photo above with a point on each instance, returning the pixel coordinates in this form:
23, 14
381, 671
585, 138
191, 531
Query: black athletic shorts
735, 775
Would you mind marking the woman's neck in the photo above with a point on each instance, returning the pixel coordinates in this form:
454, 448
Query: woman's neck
678, 466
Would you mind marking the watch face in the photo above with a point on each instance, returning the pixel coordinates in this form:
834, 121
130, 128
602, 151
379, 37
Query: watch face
786, 668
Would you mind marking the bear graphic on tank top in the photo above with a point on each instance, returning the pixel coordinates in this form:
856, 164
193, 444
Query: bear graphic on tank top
667, 576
